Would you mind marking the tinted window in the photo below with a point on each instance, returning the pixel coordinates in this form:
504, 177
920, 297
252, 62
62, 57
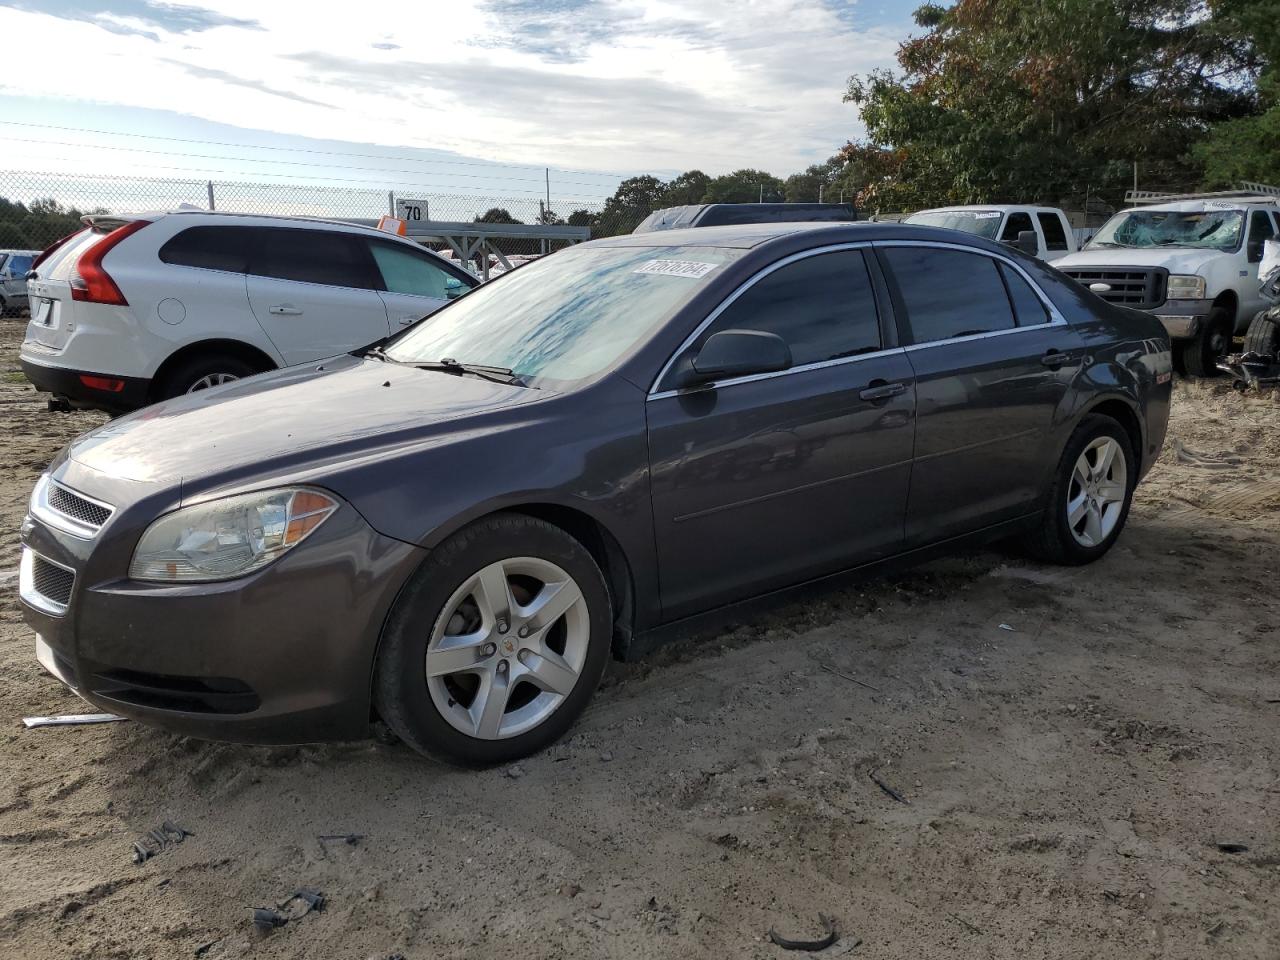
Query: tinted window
1016, 223
315, 256
949, 293
1029, 308
1260, 230
1055, 237
405, 271
822, 306
213, 248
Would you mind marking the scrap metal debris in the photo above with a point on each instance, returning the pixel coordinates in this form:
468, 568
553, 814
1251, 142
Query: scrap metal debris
348, 838
1229, 847
888, 789
809, 946
291, 910
70, 719
157, 841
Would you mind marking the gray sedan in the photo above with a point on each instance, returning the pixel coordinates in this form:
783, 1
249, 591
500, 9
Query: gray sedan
630, 439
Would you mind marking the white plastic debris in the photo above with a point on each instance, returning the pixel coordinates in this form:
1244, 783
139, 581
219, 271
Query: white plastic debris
70, 719
1005, 626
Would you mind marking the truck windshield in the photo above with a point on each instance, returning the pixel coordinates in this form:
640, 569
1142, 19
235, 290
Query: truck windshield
981, 223
567, 316
1202, 229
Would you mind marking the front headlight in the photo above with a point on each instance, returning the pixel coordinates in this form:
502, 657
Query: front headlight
1182, 287
228, 538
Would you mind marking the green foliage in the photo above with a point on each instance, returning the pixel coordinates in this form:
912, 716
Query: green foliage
496, 215
815, 183
688, 188
745, 186
35, 225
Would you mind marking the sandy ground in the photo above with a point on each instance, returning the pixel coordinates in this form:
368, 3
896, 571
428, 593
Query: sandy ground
1065, 782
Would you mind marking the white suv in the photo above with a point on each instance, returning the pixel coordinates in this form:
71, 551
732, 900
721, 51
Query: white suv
131, 310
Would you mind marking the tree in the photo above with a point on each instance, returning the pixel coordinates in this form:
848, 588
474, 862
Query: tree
635, 199
1008, 100
688, 188
745, 186
814, 185
496, 215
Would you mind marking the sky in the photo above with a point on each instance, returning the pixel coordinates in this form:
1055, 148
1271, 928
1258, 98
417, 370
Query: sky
464, 96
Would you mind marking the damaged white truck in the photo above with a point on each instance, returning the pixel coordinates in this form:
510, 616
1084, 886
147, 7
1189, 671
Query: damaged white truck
1192, 260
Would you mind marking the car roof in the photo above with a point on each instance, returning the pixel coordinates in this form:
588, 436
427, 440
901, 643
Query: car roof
1204, 206
749, 235
988, 206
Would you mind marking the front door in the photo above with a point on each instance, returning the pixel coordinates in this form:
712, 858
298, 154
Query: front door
772, 479
992, 365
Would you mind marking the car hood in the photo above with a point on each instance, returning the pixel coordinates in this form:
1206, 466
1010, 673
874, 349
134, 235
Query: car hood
1174, 259
340, 409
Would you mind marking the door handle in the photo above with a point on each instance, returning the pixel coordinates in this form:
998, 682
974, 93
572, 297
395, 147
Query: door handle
879, 390
285, 310
1053, 359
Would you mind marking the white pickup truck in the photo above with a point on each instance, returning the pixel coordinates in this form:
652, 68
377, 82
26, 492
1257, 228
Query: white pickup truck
1192, 262
1003, 222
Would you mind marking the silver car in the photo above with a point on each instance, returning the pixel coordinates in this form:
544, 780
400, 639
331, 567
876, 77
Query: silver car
14, 265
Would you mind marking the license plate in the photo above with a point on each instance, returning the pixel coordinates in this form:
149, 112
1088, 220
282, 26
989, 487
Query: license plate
42, 313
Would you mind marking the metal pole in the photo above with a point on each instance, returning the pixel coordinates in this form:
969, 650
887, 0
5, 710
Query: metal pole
819, 193
391, 203
210, 194
1135, 176
548, 171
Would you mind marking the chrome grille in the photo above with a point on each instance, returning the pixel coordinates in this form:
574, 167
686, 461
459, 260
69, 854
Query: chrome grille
1142, 288
82, 509
51, 581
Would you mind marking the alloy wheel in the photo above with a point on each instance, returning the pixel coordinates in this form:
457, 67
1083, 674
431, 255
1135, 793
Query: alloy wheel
212, 380
508, 648
1097, 491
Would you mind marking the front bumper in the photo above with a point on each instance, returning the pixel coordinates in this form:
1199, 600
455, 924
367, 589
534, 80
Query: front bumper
1182, 319
284, 655
85, 389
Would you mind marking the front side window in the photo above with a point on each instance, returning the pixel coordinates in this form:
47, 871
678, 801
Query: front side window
949, 293
823, 306
211, 248
567, 316
1202, 229
1260, 230
1055, 237
1016, 223
315, 256
406, 271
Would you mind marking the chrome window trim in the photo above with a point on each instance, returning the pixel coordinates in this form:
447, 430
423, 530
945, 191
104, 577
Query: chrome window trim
728, 301
754, 377
43, 511
27, 584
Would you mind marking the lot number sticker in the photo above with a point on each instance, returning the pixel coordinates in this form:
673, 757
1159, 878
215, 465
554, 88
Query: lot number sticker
676, 268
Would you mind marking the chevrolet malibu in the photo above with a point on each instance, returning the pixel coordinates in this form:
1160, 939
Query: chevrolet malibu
628, 440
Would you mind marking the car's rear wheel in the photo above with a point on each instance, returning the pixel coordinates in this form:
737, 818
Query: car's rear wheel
496, 644
1089, 500
1200, 354
203, 372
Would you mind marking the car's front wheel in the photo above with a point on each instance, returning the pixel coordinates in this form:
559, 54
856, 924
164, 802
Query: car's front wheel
1200, 354
1089, 499
496, 644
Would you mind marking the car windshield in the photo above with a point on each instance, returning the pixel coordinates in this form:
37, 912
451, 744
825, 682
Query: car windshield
567, 316
981, 223
1202, 229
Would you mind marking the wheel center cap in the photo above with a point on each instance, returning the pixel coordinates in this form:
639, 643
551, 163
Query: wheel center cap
508, 646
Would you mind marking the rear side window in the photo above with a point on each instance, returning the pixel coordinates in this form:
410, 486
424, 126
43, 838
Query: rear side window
212, 248
823, 306
1055, 238
405, 271
1016, 223
315, 256
949, 293
1029, 308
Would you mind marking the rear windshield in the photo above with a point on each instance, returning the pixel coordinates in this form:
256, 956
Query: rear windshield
62, 264
981, 223
567, 316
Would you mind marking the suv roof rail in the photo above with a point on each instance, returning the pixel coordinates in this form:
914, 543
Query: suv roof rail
1245, 190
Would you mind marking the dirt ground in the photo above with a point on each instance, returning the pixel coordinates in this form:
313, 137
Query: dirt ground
1070, 747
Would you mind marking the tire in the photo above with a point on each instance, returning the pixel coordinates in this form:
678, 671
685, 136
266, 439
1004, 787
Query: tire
1058, 538
1200, 354
196, 373
1263, 335
432, 690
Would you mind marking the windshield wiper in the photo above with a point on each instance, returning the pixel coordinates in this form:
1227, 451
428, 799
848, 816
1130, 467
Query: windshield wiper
484, 371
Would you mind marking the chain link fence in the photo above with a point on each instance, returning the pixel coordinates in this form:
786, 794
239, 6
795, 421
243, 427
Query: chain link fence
38, 207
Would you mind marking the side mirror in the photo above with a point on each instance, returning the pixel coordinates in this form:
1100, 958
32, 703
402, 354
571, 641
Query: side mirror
739, 353
1255, 251
1028, 243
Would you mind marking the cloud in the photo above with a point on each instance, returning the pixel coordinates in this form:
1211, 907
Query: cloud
221, 76
385, 45
141, 18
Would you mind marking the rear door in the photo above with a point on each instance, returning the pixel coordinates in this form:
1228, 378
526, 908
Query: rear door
993, 362
414, 282
315, 293
763, 481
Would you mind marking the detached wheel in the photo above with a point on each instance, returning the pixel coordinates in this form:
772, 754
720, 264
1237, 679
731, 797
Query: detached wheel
203, 372
1263, 335
1090, 496
1200, 354
496, 644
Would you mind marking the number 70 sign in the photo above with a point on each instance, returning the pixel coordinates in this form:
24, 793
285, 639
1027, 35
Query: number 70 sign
411, 211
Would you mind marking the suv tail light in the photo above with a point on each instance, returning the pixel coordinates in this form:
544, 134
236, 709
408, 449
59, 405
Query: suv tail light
89, 281
48, 251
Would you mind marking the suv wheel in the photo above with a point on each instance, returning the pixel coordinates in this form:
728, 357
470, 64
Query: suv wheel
1200, 354
1263, 336
203, 372
496, 644
1090, 496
